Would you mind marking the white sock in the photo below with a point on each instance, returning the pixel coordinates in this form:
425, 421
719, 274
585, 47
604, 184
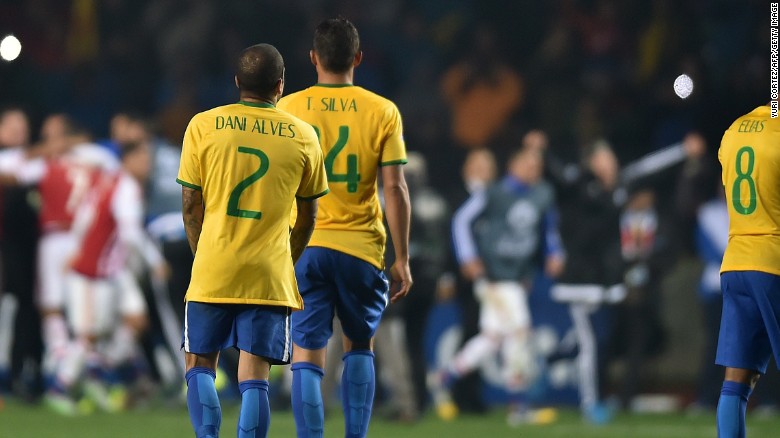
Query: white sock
71, 368
122, 346
55, 332
56, 340
519, 359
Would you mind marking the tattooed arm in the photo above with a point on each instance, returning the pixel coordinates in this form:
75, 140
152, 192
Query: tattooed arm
304, 226
193, 212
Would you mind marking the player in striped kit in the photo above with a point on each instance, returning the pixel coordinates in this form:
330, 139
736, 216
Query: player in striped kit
63, 177
101, 288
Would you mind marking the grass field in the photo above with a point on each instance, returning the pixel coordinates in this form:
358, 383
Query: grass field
25, 421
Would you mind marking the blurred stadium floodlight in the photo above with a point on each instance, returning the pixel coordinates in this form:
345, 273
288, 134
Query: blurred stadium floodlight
10, 48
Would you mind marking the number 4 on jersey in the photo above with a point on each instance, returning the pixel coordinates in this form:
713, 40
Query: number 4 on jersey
352, 177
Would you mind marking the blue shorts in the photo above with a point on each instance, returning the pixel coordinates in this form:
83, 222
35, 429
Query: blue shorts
749, 330
261, 330
333, 282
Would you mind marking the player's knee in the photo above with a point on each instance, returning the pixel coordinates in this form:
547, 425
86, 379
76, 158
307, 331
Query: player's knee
193, 360
741, 375
353, 345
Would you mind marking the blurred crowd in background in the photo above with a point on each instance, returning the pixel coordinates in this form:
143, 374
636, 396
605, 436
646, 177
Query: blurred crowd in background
474, 81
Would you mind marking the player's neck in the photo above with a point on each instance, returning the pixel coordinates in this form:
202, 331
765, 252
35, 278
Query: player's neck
326, 77
254, 99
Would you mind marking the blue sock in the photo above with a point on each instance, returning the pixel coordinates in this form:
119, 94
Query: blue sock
203, 402
357, 391
307, 400
731, 409
255, 417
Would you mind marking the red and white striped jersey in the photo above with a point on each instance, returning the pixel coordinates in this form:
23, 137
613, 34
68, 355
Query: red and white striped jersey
62, 188
109, 223
63, 181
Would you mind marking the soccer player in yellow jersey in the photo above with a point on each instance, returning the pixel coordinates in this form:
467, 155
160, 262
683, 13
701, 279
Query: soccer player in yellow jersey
750, 274
243, 166
341, 270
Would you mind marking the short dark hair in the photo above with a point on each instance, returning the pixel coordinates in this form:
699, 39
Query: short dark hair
336, 42
127, 149
259, 68
71, 126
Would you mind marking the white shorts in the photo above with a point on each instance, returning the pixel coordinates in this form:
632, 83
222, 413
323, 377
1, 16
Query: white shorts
503, 307
54, 250
96, 305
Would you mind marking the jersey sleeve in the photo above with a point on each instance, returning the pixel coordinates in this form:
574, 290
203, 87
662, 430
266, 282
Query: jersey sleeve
127, 209
314, 182
189, 167
393, 149
31, 171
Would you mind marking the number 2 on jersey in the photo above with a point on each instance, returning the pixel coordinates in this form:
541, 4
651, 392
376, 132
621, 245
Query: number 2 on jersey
235, 195
745, 176
352, 177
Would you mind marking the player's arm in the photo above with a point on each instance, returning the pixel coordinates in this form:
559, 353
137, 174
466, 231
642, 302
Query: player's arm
29, 173
463, 238
190, 179
128, 210
304, 226
193, 212
554, 255
398, 213
693, 146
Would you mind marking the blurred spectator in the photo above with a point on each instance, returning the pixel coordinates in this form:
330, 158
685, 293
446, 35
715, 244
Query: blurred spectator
498, 235
695, 186
591, 198
19, 319
483, 92
106, 309
399, 346
711, 237
647, 252
593, 273
62, 179
478, 171
162, 216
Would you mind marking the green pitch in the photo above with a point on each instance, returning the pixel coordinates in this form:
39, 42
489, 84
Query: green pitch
24, 421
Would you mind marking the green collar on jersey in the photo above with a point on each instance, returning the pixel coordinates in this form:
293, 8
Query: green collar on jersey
333, 85
256, 104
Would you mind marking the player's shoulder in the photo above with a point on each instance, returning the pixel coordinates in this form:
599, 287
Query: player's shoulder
306, 130
293, 97
209, 115
376, 100
755, 121
93, 155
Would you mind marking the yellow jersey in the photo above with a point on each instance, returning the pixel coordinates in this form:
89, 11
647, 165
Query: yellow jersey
750, 157
250, 161
359, 131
